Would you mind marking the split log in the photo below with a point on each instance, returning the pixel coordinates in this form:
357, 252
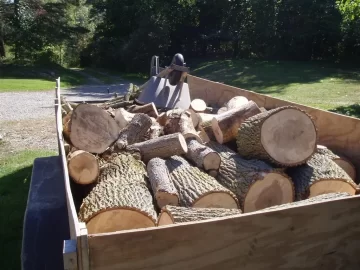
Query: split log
91, 129
134, 132
177, 214
162, 147
202, 156
225, 126
149, 109
286, 136
121, 200
163, 189
236, 102
194, 117
181, 123
320, 175
198, 105
196, 188
256, 184
123, 117
343, 162
83, 167
205, 117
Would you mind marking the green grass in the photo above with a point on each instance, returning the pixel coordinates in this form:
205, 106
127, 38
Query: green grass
35, 78
315, 84
15, 176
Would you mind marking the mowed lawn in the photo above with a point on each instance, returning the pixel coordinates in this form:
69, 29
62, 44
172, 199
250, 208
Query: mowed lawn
315, 84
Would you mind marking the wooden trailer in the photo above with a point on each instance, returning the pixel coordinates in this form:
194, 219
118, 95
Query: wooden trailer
320, 235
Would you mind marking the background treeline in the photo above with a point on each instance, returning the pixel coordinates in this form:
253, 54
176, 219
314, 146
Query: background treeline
124, 34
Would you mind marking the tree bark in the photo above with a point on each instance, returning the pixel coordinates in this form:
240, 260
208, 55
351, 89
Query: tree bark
163, 188
284, 136
202, 156
226, 125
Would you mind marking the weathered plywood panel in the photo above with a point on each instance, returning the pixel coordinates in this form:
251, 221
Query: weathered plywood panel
340, 133
324, 235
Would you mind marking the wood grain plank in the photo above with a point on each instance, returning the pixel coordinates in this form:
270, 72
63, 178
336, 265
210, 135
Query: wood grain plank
321, 235
83, 248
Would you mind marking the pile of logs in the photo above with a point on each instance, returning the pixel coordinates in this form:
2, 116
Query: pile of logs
147, 168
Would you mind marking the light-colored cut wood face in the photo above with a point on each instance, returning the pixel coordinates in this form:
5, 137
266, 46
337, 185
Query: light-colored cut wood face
274, 189
212, 161
84, 168
118, 220
329, 186
163, 198
216, 200
165, 219
347, 167
289, 136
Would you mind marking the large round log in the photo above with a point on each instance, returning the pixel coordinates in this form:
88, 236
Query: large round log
83, 167
163, 188
256, 184
177, 214
285, 136
91, 129
320, 175
196, 188
226, 125
202, 156
121, 200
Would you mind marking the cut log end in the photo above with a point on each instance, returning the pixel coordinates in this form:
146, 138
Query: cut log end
164, 198
108, 221
325, 186
274, 189
165, 219
198, 105
83, 167
212, 161
216, 200
289, 137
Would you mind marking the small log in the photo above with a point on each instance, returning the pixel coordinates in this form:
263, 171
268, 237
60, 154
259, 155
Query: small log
226, 125
284, 136
343, 162
149, 109
161, 119
121, 200
320, 175
222, 110
134, 132
196, 188
181, 123
91, 129
162, 147
123, 117
198, 105
202, 156
194, 117
83, 167
154, 131
163, 189
120, 104
256, 184
205, 117
177, 214
203, 135
236, 102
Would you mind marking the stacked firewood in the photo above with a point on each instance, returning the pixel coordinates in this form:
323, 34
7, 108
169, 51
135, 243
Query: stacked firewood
148, 168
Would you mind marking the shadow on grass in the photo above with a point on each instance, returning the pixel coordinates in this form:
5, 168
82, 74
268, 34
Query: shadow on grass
351, 110
14, 189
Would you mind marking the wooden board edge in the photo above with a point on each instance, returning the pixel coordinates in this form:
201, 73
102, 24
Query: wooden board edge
83, 248
73, 219
70, 255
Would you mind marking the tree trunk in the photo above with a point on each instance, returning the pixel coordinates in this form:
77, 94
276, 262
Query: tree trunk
256, 184
177, 214
163, 188
2, 46
285, 136
226, 125
320, 175
83, 167
202, 156
162, 147
196, 188
121, 200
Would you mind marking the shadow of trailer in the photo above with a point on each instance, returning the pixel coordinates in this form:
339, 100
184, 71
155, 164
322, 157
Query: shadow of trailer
319, 235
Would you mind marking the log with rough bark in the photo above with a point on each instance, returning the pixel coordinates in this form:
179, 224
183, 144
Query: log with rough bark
149, 109
320, 175
154, 131
285, 136
83, 167
181, 123
123, 117
198, 105
163, 188
196, 188
91, 129
162, 147
134, 132
202, 156
121, 200
256, 184
177, 214
236, 102
225, 126
343, 162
